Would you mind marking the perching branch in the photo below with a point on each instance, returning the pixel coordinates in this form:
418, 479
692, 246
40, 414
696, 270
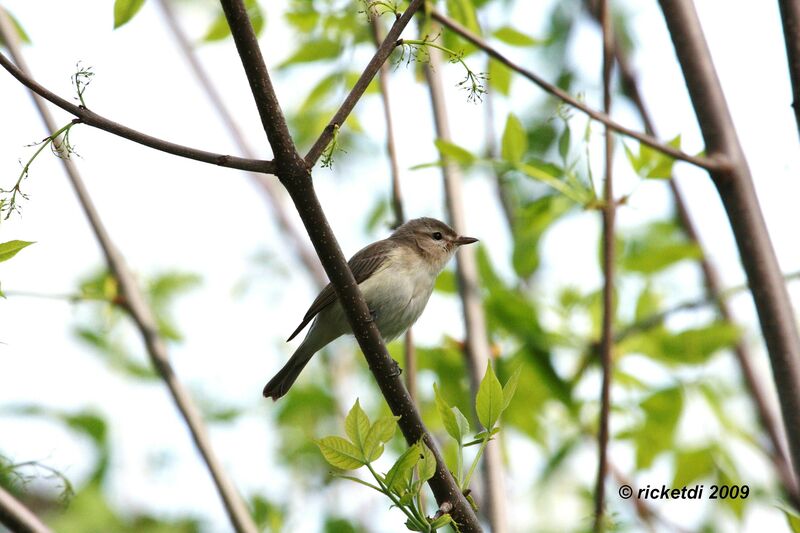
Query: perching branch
138, 309
790, 17
379, 58
15, 516
295, 175
266, 184
90, 118
711, 163
607, 334
716, 296
409, 353
477, 340
736, 191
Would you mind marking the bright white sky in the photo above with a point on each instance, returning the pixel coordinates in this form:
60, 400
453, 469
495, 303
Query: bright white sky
171, 213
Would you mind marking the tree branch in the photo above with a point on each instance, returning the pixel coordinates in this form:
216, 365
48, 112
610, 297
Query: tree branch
714, 162
379, 58
267, 185
13, 514
790, 17
294, 173
607, 334
739, 198
477, 341
138, 309
90, 118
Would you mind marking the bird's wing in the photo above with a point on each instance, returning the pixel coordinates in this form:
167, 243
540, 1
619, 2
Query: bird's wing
363, 264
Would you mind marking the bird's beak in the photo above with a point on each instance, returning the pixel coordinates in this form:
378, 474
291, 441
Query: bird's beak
464, 240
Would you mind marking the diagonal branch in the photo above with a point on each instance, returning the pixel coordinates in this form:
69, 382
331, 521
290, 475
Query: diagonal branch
379, 58
607, 333
477, 348
737, 193
14, 515
712, 163
266, 184
86, 116
294, 173
138, 309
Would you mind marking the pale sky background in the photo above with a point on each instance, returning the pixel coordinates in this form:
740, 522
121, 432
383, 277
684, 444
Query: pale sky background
167, 213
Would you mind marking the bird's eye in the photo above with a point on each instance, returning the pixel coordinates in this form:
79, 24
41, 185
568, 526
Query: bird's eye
437, 235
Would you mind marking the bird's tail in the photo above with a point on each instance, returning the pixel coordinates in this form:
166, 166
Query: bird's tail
286, 376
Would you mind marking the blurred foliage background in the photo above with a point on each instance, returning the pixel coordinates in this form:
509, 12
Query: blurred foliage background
681, 415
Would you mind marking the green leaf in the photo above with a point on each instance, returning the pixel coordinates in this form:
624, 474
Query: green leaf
340, 453
10, 248
464, 12
530, 224
564, 143
381, 432
499, 77
661, 411
446, 282
124, 10
489, 400
218, 29
427, 465
442, 521
515, 141
314, 50
693, 465
514, 37
21, 34
454, 426
792, 517
400, 474
456, 153
653, 164
357, 425
510, 388
658, 246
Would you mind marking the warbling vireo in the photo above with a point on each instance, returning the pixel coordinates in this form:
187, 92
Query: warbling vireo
396, 277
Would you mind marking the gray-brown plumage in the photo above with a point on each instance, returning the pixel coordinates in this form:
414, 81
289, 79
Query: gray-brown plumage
396, 276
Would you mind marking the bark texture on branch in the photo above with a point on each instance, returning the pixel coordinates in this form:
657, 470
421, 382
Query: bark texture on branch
738, 196
790, 17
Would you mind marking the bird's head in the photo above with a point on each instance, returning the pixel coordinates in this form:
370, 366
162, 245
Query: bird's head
434, 240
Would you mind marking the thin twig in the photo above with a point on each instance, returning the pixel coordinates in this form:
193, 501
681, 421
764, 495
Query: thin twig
476, 347
13, 514
790, 17
409, 353
714, 162
379, 58
142, 315
736, 190
607, 335
295, 175
90, 118
267, 185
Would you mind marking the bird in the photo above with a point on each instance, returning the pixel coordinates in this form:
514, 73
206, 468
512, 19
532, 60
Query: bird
396, 276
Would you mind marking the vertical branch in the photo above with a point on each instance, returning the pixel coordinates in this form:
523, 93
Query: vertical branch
790, 16
738, 195
477, 342
294, 173
15, 516
409, 354
607, 336
267, 185
142, 315
503, 193
768, 418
